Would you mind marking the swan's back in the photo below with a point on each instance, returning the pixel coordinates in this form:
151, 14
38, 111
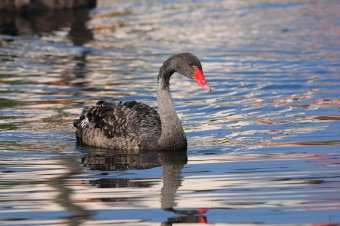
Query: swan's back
118, 125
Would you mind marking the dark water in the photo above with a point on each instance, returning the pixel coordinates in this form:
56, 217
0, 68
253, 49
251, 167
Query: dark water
263, 146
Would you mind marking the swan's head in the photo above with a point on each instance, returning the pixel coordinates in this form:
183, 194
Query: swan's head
189, 65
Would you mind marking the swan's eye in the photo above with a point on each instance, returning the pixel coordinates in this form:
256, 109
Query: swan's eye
191, 65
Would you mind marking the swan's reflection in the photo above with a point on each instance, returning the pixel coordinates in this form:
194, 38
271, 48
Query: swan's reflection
172, 163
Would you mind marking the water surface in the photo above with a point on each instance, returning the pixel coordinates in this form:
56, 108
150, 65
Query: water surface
263, 145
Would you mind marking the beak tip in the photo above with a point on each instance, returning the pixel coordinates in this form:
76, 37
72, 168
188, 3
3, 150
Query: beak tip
207, 88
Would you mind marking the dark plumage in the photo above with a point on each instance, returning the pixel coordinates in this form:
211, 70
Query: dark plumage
106, 124
133, 125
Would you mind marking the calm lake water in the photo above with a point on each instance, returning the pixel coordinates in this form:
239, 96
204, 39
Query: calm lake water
264, 145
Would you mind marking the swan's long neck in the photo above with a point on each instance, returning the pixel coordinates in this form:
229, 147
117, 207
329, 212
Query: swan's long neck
173, 136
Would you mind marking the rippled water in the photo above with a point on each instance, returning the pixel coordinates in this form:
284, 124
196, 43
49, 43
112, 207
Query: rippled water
263, 145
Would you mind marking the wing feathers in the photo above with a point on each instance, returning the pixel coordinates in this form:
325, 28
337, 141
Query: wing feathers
118, 124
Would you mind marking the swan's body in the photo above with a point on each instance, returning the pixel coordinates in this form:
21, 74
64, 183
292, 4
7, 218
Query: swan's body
133, 125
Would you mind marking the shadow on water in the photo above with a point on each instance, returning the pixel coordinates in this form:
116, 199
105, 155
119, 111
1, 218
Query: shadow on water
69, 25
106, 160
30, 24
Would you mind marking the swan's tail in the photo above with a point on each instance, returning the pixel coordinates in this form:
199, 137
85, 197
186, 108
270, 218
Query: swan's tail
81, 123
83, 119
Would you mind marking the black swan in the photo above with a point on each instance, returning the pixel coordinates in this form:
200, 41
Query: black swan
136, 126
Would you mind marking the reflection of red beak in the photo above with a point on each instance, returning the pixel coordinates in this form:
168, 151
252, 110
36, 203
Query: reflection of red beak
203, 210
200, 79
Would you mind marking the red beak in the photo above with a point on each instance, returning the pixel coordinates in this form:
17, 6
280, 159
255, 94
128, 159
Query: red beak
200, 79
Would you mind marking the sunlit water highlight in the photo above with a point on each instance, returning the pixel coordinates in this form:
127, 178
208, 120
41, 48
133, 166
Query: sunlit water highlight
263, 146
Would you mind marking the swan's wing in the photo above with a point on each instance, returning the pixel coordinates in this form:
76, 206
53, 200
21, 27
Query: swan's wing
133, 121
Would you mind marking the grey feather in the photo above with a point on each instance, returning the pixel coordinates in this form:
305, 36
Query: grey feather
129, 125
